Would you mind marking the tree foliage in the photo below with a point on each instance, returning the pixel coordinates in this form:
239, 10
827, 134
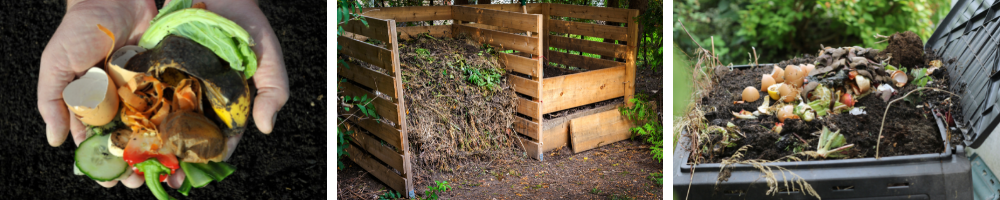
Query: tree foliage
782, 29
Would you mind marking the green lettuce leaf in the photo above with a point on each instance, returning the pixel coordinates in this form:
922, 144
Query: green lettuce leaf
224, 37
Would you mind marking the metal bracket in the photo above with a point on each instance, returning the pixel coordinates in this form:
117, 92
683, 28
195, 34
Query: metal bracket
985, 184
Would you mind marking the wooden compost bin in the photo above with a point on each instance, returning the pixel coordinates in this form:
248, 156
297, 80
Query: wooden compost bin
503, 26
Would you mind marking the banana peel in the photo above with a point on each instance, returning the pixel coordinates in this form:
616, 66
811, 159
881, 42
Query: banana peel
225, 89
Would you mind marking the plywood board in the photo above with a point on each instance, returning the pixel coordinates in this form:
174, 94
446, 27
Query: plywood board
410, 14
411, 32
368, 78
377, 29
368, 53
514, 20
598, 130
520, 64
582, 62
588, 12
374, 147
599, 48
525, 86
587, 29
583, 88
500, 39
384, 108
383, 173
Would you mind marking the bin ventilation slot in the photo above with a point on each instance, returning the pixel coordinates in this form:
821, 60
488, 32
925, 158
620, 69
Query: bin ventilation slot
843, 188
786, 191
898, 185
735, 192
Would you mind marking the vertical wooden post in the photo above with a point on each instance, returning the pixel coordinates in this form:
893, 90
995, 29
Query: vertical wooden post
393, 44
633, 46
539, 78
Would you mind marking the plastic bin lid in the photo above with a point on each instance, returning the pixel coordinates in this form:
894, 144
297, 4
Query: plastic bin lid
969, 43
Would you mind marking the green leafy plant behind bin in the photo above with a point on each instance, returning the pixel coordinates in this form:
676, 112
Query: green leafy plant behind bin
782, 29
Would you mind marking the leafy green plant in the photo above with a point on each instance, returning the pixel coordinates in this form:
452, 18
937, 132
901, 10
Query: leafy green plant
364, 104
390, 195
488, 77
920, 77
656, 177
648, 124
595, 191
432, 191
828, 140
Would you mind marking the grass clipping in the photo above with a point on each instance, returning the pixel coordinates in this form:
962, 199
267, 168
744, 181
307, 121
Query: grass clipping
459, 105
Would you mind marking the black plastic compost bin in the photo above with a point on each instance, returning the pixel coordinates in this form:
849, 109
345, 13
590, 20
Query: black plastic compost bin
969, 42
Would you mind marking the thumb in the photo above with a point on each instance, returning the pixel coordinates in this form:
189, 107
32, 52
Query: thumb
266, 106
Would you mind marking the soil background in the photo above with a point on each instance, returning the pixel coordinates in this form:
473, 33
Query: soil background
290, 163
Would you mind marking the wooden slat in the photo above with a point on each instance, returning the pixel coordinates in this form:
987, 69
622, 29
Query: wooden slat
497, 28
383, 173
520, 64
581, 61
514, 20
630, 59
599, 48
584, 88
500, 39
588, 12
555, 137
526, 127
384, 108
377, 29
598, 130
380, 130
410, 14
368, 53
532, 8
532, 148
525, 86
369, 79
529, 108
374, 147
593, 30
411, 32
545, 28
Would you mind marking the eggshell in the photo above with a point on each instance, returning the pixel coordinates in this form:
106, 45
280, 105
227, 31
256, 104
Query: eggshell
794, 76
778, 75
93, 97
863, 84
750, 94
786, 113
116, 64
808, 68
786, 93
766, 81
899, 78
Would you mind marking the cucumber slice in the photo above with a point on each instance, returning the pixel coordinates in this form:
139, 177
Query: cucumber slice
94, 159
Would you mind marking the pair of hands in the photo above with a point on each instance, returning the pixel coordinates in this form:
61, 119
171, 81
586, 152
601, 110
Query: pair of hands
78, 45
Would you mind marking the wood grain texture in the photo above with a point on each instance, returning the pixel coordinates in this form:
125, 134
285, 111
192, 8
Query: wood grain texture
411, 32
588, 12
568, 91
369, 79
409, 14
520, 64
374, 147
582, 62
598, 130
529, 108
368, 53
527, 127
525, 86
377, 29
504, 19
532, 8
532, 149
383, 173
381, 130
401, 107
556, 137
500, 39
630, 60
599, 48
587, 29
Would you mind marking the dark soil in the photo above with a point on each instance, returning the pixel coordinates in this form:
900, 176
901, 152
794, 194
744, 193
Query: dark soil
907, 50
290, 163
909, 129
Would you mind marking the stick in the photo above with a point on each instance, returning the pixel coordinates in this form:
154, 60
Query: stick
878, 142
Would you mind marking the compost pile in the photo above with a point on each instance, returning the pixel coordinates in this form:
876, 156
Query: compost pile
826, 107
459, 105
